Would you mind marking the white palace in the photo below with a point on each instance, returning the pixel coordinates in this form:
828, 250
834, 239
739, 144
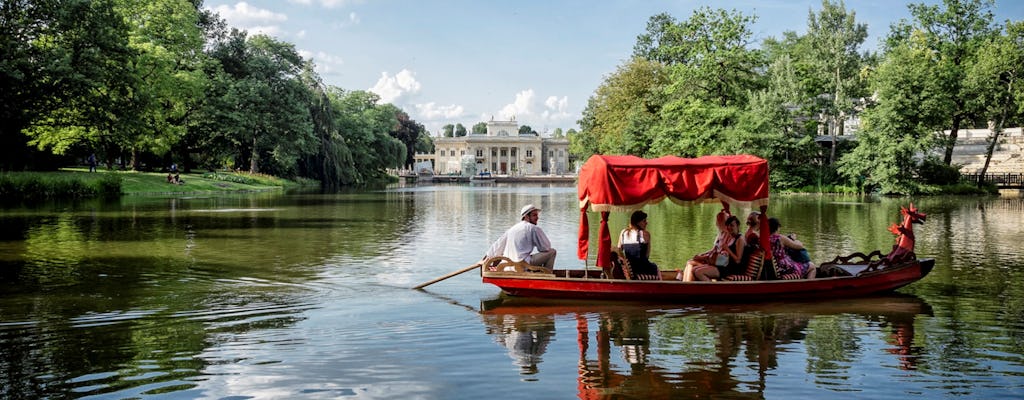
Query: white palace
501, 151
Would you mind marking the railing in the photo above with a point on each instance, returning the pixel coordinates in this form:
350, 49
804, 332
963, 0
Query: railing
1003, 181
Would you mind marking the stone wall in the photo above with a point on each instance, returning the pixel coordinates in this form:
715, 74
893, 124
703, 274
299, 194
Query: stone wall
972, 144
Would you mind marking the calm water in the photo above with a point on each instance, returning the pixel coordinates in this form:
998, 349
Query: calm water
307, 296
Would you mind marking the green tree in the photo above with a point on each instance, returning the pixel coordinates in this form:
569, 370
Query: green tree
712, 75
366, 128
526, 129
558, 134
995, 79
633, 93
953, 32
425, 144
460, 130
912, 104
63, 77
449, 130
480, 128
835, 37
332, 164
406, 131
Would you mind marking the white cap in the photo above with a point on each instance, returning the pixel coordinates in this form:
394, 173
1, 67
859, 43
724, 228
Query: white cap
527, 209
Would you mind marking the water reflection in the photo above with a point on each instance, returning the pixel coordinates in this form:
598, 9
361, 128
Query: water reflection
654, 351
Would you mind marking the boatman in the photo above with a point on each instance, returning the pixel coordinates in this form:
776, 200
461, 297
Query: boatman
519, 242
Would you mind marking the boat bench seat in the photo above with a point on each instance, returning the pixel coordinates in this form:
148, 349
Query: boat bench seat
504, 264
754, 264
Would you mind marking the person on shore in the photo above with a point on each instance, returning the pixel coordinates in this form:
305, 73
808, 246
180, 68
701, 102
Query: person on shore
635, 246
92, 162
785, 265
519, 242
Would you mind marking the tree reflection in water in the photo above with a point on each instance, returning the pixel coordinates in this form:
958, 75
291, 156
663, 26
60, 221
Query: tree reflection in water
666, 352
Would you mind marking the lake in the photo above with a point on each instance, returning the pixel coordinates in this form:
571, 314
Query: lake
306, 295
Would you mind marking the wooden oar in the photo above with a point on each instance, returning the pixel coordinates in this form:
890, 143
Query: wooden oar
436, 280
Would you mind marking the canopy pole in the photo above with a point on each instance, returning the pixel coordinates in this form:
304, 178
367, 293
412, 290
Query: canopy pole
604, 243
763, 238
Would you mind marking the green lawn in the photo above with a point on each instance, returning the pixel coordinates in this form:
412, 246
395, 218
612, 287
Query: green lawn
156, 183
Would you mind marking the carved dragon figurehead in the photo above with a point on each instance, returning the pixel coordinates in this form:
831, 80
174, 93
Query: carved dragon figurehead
904, 248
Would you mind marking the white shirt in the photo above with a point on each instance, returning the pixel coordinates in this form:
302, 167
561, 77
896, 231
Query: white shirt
519, 241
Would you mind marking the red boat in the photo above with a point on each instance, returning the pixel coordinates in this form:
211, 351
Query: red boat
626, 183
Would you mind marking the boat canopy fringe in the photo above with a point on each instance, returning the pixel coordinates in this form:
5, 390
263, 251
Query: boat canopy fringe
626, 183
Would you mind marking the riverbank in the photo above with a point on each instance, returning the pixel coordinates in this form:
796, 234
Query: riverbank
80, 183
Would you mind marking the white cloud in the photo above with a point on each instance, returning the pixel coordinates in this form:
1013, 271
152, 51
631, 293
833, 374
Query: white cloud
522, 106
433, 111
247, 17
327, 3
556, 108
326, 64
394, 88
353, 18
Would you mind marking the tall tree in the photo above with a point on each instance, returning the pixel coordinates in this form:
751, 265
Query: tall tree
712, 74
996, 79
835, 37
912, 104
448, 130
953, 31
460, 130
632, 93
63, 76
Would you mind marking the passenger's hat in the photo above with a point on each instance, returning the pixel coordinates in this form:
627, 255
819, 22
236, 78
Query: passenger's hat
527, 209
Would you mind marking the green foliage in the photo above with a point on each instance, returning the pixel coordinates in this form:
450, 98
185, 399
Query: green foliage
479, 128
627, 103
935, 172
43, 185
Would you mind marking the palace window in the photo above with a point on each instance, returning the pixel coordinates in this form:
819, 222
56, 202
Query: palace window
513, 151
479, 153
529, 153
504, 152
451, 153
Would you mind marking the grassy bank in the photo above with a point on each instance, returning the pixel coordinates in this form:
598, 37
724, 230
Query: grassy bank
79, 183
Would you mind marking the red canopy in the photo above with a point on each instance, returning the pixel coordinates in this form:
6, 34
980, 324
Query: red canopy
625, 183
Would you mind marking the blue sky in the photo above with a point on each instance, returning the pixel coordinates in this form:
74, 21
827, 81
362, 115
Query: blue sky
466, 61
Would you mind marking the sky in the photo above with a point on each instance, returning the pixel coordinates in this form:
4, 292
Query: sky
537, 61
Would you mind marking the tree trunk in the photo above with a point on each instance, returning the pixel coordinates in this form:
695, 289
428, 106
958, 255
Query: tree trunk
993, 141
252, 158
135, 159
951, 140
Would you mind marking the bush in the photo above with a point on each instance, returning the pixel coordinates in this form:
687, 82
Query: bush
57, 185
935, 172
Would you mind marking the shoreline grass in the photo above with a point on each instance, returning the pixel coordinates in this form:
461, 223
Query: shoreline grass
79, 183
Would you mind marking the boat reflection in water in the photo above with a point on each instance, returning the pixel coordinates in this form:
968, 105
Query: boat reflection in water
664, 351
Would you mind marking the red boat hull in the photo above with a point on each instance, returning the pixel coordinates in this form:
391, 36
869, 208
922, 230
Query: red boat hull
547, 286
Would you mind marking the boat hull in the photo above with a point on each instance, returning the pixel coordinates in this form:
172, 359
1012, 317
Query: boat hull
566, 286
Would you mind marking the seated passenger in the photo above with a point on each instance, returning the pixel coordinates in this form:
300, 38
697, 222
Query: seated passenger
635, 246
708, 257
732, 247
785, 266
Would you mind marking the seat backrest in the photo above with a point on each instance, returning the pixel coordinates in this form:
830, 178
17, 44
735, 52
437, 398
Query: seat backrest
755, 263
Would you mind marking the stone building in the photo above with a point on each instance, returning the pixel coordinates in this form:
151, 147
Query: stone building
502, 151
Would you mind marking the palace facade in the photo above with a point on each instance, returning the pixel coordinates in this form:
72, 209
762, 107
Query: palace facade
502, 151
